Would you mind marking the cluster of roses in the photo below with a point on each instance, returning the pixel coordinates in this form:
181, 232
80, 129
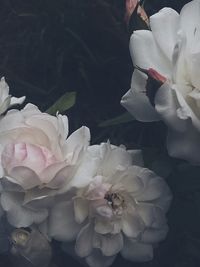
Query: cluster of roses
99, 199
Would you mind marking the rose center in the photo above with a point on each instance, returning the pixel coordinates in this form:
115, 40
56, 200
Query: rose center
115, 200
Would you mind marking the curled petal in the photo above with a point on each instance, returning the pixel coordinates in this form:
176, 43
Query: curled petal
137, 252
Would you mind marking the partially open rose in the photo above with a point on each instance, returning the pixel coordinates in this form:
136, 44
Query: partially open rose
7, 100
122, 209
172, 49
37, 162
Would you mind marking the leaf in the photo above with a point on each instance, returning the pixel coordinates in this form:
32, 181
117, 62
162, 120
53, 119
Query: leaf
124, 118
64, 103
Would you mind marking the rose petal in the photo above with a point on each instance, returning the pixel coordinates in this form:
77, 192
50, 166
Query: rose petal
141, 43
77, 141
109, 244
154, 235
96, 259
132, 225
62, 225
137, 252
19, 215
164, 26
25, 177
84, 241
81, 209
136, 100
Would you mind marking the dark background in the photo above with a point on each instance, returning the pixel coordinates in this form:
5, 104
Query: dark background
49, 47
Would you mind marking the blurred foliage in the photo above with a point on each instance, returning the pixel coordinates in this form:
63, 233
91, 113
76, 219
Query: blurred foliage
49, 48
64, 103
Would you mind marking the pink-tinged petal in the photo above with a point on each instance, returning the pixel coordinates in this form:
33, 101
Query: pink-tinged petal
137, 252
19, 215
141, 43
96, 259
76, 142
154, 235
25, 177
84, 241
61, 178
62, 225
109, 244
164, 26
136, 100
44, 122
132, 225
81, 209
50, 172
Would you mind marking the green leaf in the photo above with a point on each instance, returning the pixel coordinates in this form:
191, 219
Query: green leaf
124, 118
63, 103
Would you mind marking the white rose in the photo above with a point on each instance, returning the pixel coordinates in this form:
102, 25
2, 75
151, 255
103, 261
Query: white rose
121, 210
172, 49
6, 100
37, 162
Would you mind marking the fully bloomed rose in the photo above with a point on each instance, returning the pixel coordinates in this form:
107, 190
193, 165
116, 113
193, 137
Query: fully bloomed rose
121, 209
37, 162
172, 50
6, 100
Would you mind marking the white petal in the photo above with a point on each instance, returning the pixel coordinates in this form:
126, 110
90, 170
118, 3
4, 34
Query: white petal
96, 259
85, 171
17, 100
151, 215
114, 158
109, 244
19, 215
146, 53
81, 209
62, 225
131, 182
166, 104
164, 26
136, 100
84, 241
132, 225
154, 235
103, 226
137, 252
77, 141
189, 18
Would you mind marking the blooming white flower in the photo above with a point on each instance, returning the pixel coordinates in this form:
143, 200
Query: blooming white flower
172, 49
37, 162
121, 209
6, 100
